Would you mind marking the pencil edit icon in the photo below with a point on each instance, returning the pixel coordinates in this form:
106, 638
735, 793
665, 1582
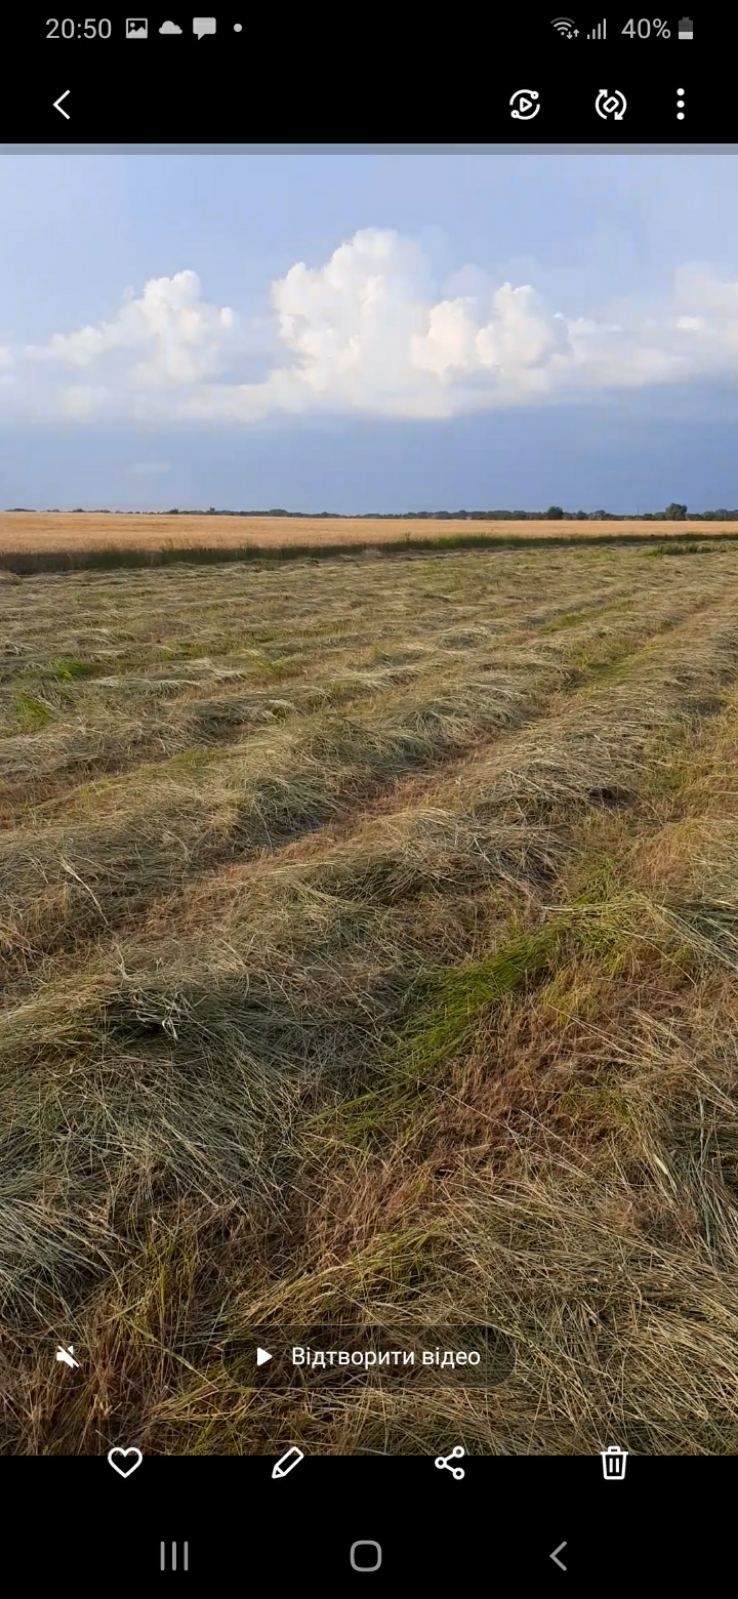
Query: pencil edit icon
287, 1462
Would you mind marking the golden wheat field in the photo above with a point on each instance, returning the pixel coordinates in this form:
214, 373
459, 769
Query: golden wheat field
369, 943
78, 531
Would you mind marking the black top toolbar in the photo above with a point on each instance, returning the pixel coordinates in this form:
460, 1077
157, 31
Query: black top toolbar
240, 78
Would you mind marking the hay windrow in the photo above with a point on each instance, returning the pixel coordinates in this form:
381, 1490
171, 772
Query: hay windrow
370, 939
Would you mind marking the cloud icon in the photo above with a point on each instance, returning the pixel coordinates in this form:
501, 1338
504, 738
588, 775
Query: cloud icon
170, 27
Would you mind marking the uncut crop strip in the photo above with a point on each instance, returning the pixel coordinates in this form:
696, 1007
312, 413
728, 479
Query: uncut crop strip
64, 535
86, 873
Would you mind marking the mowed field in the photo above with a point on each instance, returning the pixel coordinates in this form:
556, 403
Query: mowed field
60, 531
369, 936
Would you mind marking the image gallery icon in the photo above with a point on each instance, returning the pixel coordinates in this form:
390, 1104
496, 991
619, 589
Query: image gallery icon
137, 27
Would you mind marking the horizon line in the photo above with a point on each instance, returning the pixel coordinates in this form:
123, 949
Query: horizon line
675, 512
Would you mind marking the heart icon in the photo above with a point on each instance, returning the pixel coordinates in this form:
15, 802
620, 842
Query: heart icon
124, 1461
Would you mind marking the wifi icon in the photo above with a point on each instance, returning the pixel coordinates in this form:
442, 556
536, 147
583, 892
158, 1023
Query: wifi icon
566, 26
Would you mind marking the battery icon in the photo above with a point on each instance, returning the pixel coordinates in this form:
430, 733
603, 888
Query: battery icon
686, 28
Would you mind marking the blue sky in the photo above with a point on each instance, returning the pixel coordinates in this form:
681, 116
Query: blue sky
353, 332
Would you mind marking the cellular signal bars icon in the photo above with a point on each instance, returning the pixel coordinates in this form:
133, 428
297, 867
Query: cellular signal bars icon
600, 32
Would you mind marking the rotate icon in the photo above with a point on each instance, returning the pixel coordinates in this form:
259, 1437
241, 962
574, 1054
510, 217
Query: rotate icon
611, 103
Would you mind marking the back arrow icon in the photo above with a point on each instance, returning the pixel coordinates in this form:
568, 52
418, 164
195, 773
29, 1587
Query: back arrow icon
59, 107
555, 1556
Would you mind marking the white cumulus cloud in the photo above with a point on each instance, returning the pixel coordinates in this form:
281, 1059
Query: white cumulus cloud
368, 331
168, 334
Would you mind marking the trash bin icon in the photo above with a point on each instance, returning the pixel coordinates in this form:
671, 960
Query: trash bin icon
614, 1462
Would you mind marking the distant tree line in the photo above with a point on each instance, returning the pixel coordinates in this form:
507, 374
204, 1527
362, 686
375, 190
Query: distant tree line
675, 512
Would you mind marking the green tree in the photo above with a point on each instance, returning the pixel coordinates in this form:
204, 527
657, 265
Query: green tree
554, 513
675, 512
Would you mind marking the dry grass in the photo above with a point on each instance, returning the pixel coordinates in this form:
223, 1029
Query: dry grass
62, 531
371, 951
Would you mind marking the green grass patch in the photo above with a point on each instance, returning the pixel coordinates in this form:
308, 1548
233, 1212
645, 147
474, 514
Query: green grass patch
68, 669
600, 1107
450, 1001
191, 761
186, 650
445, 1007
559, 624
277, 668
605, 916
668, 777
204, 648
617, 669
680, 547
32, 713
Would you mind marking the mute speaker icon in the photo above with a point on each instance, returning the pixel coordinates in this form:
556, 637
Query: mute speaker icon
66, 1356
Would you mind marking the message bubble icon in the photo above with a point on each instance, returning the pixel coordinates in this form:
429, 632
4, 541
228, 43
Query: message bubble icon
203, 25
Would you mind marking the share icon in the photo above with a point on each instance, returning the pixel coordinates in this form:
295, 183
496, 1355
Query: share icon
443, 1463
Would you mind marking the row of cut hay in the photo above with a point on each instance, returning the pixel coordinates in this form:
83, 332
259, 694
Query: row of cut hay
69, 718
80, 623
177, 1068
80, 635
66, 878
572, 1180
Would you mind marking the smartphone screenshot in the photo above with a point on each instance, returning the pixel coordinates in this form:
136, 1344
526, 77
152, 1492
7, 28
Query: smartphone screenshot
368, 818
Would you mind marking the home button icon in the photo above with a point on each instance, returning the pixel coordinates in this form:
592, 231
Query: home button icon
366, 1555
